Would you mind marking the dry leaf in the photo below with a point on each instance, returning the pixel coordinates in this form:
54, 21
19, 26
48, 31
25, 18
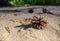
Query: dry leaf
7, 29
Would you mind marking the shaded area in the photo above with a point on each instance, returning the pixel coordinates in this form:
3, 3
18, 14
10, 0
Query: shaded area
9, 11
18, 9
4, 3
24, 26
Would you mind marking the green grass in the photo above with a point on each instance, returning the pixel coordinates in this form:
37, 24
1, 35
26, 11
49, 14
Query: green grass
30, 2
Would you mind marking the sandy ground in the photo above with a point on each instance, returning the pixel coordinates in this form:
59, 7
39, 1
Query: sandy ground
11, 29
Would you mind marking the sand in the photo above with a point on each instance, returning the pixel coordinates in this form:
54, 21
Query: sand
11, 29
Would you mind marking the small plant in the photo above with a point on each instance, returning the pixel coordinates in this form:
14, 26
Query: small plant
38, 23
16, 2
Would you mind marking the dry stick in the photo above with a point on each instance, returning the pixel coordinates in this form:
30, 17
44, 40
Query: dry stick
44, 10
48, 12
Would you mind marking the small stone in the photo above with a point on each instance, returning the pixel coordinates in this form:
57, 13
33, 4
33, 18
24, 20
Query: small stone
19, 30
16, 14
12, 20
30, 10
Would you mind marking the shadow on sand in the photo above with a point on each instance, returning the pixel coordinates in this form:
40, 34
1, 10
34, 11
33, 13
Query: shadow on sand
24, 26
